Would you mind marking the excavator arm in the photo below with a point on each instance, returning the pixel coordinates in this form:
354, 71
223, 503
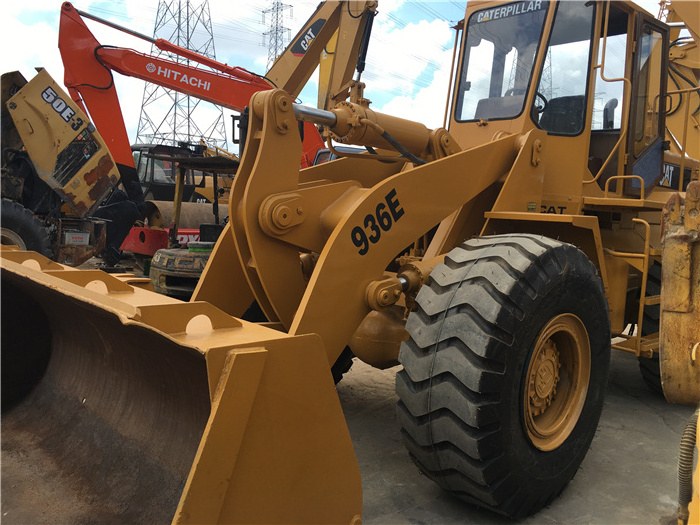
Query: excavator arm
337, 29
84, 75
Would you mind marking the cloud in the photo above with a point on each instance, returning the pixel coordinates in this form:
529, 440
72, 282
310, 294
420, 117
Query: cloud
399, 56
238, 38
38, 44
409, 68
427, 105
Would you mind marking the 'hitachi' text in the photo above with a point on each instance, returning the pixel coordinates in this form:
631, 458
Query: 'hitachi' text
181, 77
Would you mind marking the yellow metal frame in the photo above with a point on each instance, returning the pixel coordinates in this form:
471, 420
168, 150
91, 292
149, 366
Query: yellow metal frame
275, 447
647, 345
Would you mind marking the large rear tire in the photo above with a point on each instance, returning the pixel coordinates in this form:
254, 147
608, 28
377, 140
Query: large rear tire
19, 227
650, 366
505, 371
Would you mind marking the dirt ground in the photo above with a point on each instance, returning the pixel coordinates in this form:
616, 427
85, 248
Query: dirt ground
629, 475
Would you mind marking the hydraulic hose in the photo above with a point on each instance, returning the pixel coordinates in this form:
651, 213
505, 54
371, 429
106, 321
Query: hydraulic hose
685, 467
689, 81
364, 45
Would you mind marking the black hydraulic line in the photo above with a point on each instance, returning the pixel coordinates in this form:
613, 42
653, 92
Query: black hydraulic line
689, 81
109, 71
328, 118
362, 57
677, 42
680, 95
397, 145
349, 12
681, 40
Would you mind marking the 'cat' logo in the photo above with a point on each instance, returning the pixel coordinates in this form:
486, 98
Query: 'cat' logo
301, 46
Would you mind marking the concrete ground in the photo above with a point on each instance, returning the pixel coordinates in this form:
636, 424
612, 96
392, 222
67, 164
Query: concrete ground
628, 476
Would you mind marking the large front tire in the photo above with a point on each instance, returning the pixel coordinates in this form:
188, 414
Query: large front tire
505, 371
650, 366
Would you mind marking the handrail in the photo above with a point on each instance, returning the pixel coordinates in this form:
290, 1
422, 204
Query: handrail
645, 274
635, 255
623, 177
459, 27
626, 93
684, 140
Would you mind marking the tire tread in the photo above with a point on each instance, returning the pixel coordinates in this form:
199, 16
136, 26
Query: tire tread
454, 364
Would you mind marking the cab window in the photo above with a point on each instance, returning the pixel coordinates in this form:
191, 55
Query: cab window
648, 87
500, 49
559, 106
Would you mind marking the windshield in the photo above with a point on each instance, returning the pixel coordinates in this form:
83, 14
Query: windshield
501, 45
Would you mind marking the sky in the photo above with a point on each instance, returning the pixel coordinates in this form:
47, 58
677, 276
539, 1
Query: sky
408, 63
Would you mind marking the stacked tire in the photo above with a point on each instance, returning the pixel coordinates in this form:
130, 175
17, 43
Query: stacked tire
19, 227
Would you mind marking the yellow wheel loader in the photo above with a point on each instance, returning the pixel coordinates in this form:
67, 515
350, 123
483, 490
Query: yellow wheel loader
494, 258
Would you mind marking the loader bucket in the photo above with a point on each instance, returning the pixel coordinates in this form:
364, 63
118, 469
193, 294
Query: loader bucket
123, 406
679, 340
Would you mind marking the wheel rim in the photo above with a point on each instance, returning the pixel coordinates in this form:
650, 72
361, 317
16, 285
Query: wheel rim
10, 238
556, 382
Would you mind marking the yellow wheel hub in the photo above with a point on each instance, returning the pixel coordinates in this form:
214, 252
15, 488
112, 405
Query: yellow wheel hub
556, 382
543, 381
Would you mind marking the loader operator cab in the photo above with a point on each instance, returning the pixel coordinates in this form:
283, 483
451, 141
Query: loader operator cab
510, 52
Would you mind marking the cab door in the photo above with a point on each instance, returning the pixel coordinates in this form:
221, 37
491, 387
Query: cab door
645, 140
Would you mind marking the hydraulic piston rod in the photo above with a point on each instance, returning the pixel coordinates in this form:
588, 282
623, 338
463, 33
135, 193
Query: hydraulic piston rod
315, 115
355, 124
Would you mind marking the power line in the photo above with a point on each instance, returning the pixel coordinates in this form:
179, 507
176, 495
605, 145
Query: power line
277, 34
167, 116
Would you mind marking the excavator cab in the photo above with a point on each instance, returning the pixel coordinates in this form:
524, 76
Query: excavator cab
157, 174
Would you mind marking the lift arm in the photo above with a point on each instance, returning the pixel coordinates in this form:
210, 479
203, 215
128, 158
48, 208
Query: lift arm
357, 214
682, 120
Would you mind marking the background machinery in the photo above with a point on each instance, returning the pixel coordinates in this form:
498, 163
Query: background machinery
495, 261
89, 67
56, 173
